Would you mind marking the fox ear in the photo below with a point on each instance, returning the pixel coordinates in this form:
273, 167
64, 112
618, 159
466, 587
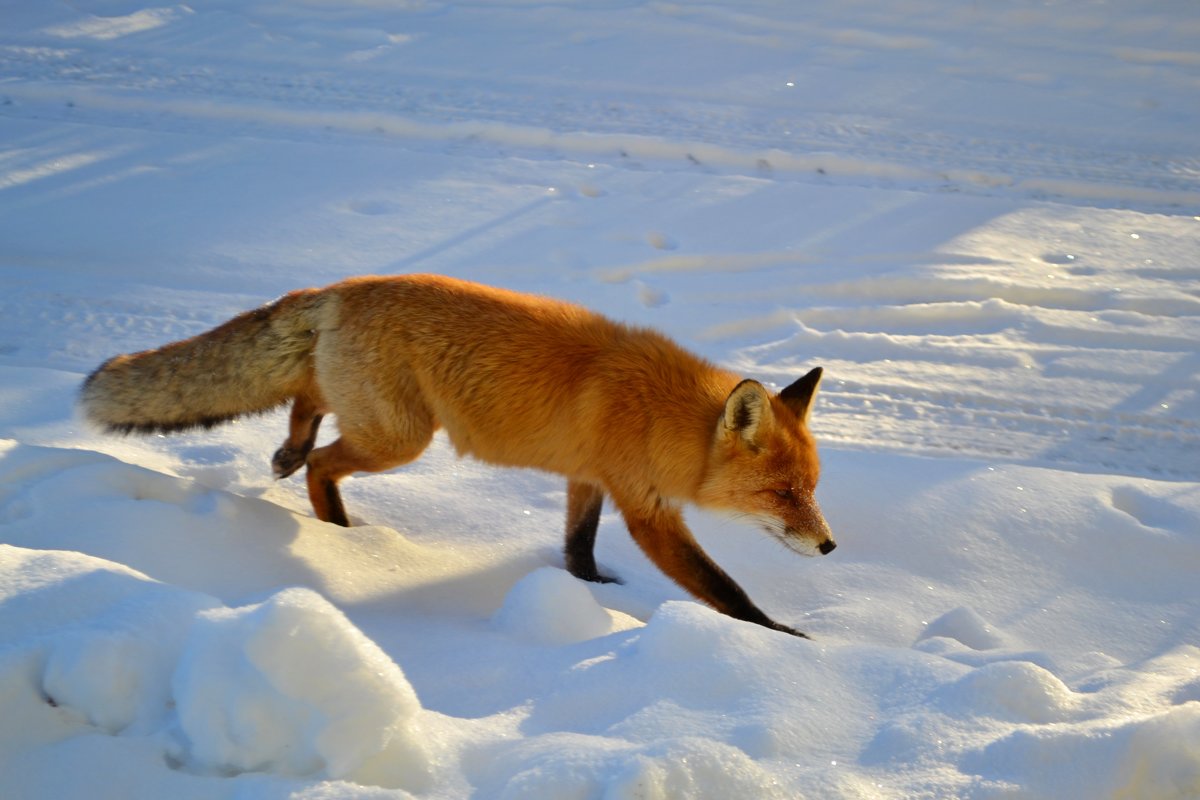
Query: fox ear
799, 396
745, 408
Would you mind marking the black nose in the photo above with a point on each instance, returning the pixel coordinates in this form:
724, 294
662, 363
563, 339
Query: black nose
827, 547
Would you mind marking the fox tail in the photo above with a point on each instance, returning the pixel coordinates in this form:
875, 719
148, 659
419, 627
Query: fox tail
254, 362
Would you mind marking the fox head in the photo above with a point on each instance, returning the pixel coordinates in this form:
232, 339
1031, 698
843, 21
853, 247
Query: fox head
763, 464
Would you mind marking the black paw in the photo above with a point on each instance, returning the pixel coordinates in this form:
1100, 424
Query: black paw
595, 576
781, 627
286, 461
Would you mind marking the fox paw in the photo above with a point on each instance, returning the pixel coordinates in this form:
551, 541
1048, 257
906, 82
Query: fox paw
286, 461
595, 576
778, 626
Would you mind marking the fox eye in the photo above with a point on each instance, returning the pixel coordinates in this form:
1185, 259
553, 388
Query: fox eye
783, 494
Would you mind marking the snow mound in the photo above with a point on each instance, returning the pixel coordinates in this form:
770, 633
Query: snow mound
688, 767
289, 686
966, 626
550, 606
1011, 690
115, 672
1149, 757
91, 644
696, 768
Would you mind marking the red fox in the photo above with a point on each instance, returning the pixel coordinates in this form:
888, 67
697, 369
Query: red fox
513, 379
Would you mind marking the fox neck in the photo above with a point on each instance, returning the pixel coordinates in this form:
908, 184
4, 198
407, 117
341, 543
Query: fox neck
687, 448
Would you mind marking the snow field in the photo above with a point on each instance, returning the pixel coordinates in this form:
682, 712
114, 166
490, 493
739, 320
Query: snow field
690, 704
982, 220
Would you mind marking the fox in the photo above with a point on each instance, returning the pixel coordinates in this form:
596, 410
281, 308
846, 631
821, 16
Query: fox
513, 379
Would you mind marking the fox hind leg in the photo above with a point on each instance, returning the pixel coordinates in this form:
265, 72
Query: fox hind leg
328, 465
378, 431
584, 501
302, 435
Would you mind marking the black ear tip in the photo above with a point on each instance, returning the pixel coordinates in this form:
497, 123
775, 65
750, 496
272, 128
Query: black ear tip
799, 395
812, 377
806, 385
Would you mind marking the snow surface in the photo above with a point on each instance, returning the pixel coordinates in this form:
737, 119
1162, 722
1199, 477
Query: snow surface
982, 219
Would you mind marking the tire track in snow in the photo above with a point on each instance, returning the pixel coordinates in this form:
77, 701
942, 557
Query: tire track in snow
623, 122
937, 423
991, 357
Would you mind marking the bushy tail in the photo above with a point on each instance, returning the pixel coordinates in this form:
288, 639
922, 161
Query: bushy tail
252, 363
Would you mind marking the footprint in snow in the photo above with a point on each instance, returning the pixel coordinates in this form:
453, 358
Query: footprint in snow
650, 297
373, 208
661, 241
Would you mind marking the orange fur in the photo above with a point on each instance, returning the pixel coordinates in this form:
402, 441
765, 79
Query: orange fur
513, 379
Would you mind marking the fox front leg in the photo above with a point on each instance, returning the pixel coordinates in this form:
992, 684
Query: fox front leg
667, 542
584, 501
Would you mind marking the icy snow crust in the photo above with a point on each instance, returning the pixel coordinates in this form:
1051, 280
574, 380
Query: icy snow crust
981, 219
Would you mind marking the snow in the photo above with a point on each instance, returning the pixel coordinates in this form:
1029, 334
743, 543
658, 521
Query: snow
983, 220
550, 606
253, 694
